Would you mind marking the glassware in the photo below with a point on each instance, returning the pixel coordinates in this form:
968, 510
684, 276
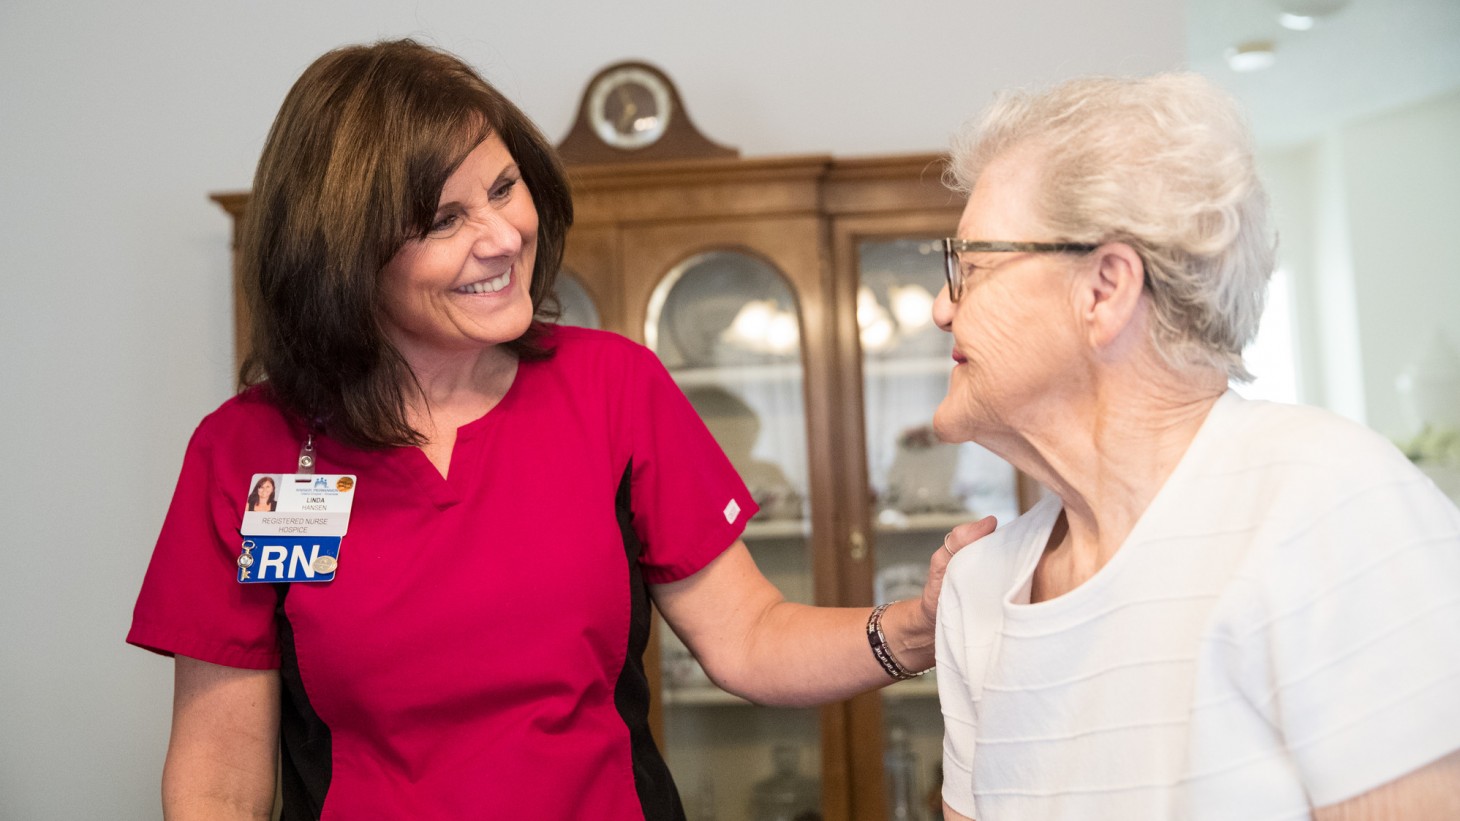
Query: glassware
704, 803
901, 765
786, 795
726, 324
922, 487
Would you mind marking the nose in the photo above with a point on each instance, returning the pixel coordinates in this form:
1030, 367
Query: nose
943, 310
496, 237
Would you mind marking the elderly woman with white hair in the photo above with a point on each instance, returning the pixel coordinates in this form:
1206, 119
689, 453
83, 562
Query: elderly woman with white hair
1224, 608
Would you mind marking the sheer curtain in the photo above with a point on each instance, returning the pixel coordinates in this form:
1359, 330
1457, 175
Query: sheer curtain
726, 324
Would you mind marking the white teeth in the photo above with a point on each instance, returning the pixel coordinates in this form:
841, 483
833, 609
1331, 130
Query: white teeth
487, 286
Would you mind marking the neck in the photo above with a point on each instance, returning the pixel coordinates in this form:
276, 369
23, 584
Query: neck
1107, 447
455, 387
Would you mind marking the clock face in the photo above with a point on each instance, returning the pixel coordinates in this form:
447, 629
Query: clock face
630, 107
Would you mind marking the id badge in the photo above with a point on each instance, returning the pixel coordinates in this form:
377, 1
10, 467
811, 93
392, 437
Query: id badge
292, 527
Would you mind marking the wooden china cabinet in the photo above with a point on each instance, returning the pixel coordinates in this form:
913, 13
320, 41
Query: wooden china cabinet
790, 298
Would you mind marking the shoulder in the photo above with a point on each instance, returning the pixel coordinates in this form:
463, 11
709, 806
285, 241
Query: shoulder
991, 563
1306, 437
586, 357
1320, 502
585, 352
252, 411
1279, 463
249, 429
574, 343
1297, 469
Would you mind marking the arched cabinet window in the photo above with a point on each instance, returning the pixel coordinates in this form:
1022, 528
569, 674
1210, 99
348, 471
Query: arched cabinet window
918, 488
726, 324
575, 303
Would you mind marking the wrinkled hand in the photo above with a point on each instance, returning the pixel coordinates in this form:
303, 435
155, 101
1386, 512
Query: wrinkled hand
960, 537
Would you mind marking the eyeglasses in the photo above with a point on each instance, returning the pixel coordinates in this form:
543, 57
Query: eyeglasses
952, 247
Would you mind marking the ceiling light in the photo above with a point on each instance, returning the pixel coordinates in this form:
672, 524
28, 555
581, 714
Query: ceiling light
1296, 22
1253, 55
1310, 8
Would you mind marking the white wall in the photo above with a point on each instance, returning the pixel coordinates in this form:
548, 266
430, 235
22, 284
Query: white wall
1367, 216
1402, 173
116, 121
1305, 183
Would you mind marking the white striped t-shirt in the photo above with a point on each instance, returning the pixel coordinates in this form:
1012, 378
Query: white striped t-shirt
1281, 630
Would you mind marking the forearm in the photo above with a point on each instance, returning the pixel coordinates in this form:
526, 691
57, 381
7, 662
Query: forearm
222, 757
212, 808
198, 785
754, 643
799, 655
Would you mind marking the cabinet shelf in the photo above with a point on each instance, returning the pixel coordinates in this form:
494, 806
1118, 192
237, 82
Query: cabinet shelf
721, 374
891, 521
777, 529
922, 687
914, 688
923, 366
702, 696
939, 366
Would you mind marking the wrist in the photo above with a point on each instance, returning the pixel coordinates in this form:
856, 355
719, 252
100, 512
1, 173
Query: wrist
914, 635
901, 640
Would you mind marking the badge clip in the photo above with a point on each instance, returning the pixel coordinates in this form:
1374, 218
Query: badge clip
306, 455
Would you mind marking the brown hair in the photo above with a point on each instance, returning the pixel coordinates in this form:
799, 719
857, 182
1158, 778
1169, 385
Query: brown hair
353, 169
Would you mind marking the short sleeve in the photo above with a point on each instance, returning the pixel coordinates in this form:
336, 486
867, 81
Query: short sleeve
688, 502
1361, 629
956, 699
191, 602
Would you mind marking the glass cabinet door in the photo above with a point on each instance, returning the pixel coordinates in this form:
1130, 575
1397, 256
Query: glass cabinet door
574, 302
920, 487
726, 324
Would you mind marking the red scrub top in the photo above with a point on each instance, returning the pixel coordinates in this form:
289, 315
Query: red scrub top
479, 652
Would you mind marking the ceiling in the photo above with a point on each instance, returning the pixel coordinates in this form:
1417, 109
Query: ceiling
1368, 57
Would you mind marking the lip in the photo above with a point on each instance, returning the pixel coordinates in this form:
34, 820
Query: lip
502, 281
959, 358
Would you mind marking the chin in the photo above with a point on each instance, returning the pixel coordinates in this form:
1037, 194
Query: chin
512, 324
522, 324
943, 427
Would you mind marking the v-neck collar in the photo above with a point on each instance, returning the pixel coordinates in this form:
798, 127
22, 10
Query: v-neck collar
449, 490
1210, 434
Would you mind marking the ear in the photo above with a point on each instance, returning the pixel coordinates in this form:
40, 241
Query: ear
1111, 291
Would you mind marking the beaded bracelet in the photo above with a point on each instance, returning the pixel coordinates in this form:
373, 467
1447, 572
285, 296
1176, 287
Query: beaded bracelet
880, 649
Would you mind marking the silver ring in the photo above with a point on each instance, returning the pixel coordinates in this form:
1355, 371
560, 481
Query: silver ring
945, 543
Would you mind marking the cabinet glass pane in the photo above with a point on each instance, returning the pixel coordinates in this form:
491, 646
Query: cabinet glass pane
726, 326
921, 487
577, 306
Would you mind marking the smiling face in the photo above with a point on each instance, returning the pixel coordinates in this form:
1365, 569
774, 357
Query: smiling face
1012, 333
464, 287
266, 490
